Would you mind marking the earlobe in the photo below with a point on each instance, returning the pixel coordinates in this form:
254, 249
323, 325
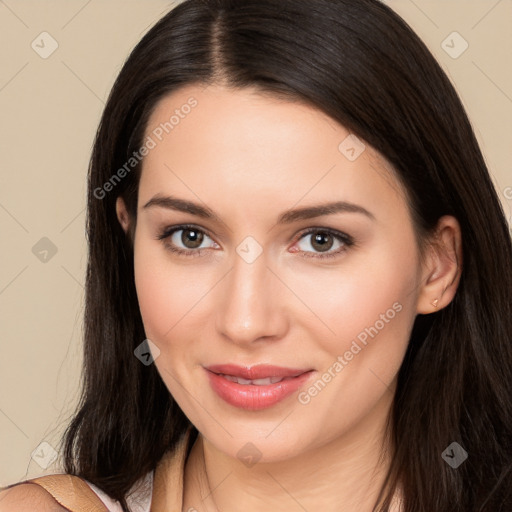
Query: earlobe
442, 268
122, 214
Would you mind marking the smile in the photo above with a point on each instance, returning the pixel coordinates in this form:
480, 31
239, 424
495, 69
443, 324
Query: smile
255, 388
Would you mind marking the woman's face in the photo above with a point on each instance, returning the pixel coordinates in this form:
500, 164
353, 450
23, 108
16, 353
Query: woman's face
332, 308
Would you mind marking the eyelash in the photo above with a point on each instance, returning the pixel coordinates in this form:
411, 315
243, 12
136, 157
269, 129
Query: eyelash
347, 241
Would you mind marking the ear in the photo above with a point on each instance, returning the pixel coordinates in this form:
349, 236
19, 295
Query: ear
442, 267
122, 214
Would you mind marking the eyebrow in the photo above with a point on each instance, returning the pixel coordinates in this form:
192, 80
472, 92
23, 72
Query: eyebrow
287, 217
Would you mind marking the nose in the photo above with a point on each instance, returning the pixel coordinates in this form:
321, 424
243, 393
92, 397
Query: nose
251, 303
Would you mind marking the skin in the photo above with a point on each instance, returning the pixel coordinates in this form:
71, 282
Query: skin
249, 157
27, 498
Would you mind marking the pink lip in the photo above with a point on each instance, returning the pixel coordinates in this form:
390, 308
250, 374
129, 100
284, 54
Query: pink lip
252, 396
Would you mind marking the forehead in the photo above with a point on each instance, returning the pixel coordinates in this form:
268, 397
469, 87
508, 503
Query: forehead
217, 142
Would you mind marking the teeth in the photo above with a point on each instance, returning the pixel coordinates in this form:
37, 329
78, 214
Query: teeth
255, 382
242, 381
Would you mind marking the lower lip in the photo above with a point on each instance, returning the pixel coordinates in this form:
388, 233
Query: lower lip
252, 397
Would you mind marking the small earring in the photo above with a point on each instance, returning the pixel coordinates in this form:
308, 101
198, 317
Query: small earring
435, 303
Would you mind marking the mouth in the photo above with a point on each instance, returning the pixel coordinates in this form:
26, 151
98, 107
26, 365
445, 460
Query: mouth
257, 387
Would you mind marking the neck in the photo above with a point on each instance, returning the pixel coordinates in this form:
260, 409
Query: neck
342, 475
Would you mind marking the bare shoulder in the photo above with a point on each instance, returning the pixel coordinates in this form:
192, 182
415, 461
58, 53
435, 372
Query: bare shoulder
28, 498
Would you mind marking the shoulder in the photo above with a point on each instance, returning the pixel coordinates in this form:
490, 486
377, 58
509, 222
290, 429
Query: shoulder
72, 492
28, 497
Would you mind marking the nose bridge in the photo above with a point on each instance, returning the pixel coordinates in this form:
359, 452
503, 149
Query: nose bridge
249, 307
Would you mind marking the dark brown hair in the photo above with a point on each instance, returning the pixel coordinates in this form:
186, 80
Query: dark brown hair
361, 64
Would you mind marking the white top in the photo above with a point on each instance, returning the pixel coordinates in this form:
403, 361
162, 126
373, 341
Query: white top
138, 499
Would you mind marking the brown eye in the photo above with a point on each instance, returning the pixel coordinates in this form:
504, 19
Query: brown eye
191, 238
185, 240
322, 241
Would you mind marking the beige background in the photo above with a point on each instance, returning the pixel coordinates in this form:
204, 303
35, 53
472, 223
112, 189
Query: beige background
50, 109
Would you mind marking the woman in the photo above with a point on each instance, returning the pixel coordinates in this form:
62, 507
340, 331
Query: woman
299, 273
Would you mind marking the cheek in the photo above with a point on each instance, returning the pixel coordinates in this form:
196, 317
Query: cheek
369, 308
161, 290
153, 293
356, 297
170, 295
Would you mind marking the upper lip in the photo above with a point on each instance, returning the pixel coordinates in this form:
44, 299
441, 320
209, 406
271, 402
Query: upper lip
260, 371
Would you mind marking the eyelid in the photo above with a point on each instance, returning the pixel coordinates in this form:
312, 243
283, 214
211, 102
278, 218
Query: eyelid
169, 231
347, 240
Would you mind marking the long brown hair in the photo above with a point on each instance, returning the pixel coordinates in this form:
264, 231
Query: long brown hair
361, 64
